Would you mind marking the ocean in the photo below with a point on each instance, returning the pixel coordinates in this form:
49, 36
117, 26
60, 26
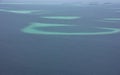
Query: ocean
59, 39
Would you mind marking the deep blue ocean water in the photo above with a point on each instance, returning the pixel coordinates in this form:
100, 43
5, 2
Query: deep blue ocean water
37, 54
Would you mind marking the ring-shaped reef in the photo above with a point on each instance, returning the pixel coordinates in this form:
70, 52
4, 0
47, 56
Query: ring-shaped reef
111, 20
61, 17
32, 29
21, 11
30, 3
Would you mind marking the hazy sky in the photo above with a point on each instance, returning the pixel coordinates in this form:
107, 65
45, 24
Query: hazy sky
61, 1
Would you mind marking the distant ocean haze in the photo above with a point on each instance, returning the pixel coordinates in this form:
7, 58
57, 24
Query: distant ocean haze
60, 1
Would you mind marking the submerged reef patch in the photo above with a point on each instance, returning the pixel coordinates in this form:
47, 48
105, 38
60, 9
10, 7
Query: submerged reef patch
32, 29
